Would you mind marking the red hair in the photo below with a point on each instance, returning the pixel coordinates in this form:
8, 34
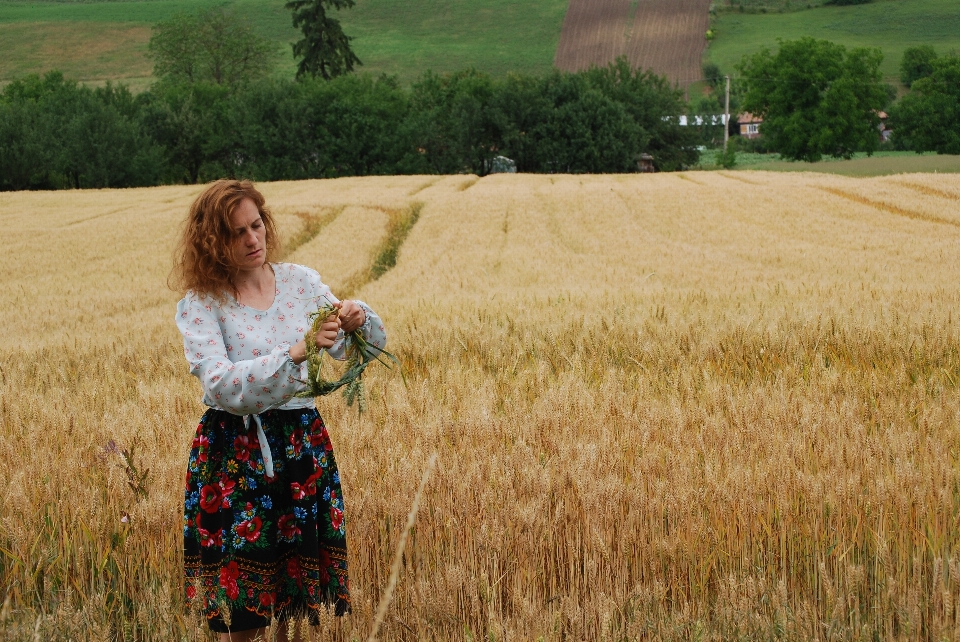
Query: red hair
205, 260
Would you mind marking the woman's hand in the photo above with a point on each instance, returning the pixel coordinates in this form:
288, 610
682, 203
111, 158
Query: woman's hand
352, 316
325, 338
327, 334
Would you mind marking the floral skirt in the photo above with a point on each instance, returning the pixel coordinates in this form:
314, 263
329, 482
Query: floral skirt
257, 547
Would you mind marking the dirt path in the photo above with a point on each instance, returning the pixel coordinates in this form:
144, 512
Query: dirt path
666, 36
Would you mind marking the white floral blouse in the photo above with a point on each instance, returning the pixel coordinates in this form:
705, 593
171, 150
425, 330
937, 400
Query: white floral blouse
241, 355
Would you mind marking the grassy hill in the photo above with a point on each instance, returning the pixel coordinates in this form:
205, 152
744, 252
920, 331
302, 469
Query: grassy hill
108, 40
101, 40
891, 25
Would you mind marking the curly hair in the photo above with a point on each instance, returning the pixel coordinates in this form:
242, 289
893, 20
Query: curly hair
205, 261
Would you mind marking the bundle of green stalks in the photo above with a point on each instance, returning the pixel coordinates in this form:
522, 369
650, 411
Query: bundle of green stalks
360, 354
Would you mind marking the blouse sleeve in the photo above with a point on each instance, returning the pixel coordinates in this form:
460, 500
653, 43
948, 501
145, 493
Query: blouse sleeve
242, 387
372, 328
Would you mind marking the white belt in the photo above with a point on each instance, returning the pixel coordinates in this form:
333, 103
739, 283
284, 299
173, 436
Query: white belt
264, 446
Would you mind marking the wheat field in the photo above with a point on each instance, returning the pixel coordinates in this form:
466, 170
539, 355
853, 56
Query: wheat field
695, 406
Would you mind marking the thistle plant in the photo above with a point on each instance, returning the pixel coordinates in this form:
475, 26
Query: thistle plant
359, 353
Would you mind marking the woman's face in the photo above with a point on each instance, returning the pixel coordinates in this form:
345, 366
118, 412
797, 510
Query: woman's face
250, 235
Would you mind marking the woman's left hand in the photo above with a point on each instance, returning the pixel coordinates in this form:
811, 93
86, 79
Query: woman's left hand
352, 316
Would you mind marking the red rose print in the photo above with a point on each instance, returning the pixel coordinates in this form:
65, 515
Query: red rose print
210, 498
296, 440
250, 529
296, 491
267, 599
336, 518
191, 591
288, 527
308, 488
210, 539
242, 447
226, 488
319, 437
228, 579
201, 441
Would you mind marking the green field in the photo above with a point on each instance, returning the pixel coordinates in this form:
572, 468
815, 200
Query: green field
891, 25
108, 40
880, 164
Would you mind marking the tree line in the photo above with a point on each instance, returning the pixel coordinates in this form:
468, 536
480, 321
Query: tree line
818, 98
55, 133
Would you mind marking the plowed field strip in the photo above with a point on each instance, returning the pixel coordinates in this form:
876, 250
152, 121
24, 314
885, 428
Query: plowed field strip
593, 33
666, 36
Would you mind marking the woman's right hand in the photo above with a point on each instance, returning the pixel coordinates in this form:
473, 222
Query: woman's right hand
329, 329
324, 338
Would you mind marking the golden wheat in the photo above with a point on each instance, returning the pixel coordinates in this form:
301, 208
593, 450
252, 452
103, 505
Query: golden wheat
688, 406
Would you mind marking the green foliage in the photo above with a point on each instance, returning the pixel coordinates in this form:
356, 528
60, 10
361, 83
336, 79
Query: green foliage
706, 107
191, 124
928, 118
397, 38
713, 75
891, 26
917, 63
763, 6
56, 134
211, 45
727, 158
452, 123
598, 120
816, 98
843, 3
324, 50
654, 104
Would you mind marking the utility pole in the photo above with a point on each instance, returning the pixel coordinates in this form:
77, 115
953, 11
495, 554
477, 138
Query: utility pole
726, 118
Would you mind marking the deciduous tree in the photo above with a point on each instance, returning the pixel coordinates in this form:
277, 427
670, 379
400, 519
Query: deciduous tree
917, 63
212, 45
928, 118
816, 98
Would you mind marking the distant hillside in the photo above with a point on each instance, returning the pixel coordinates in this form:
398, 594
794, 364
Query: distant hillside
108, 40
891, 25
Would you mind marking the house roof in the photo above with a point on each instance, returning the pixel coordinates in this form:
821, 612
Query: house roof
746, 117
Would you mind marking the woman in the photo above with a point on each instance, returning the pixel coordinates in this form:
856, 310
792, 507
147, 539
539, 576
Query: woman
263, 513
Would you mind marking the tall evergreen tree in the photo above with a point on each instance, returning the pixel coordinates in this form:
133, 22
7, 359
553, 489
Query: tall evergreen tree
324, 49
